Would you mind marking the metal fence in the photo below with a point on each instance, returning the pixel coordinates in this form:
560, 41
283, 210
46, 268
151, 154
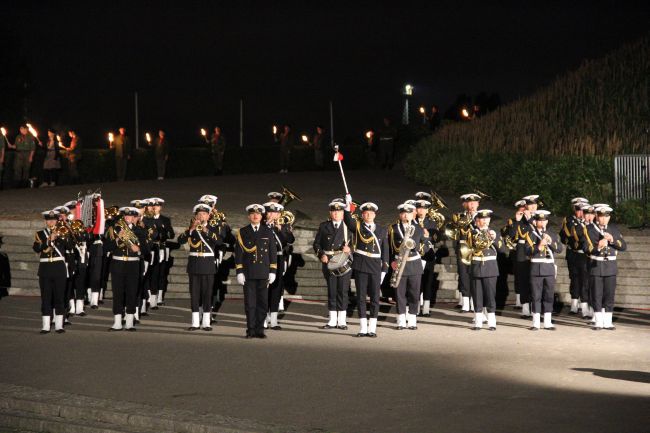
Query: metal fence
631, 177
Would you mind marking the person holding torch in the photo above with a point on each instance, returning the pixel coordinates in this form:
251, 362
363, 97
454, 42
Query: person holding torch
25, 147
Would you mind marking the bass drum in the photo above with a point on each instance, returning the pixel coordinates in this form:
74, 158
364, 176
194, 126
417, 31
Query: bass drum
340, 264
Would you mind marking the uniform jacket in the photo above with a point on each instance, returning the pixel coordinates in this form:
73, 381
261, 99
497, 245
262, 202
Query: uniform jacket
256, 256
414, 260
518, 231
283, 238
484, 263
602, 263
434, 235
366, 243
542, 262
120, 249
51, 251
204, 248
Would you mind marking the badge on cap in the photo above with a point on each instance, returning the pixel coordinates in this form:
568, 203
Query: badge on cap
369, 206
405, 207
541, 214
201, 207
255, 208
483, 213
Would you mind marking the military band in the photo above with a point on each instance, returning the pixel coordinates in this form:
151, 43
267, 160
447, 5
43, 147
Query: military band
133, 244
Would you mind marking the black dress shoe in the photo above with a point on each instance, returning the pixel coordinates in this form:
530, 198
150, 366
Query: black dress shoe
532, 328
94, 307
611, 328
552, 328
260, 335
399, 328
136, 321
413, 328
114, 330
424, 315
343, 327
193, 328
276, 327
161, 303
131, 329
60, 331
372, 335
101, 301
361, 334
327, 327
595, 328
43, 331
573, 313
492, 328
155, 307
82, 314
475, 328
145, 314
207, 329
250, 334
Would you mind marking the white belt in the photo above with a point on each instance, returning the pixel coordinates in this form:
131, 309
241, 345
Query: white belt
603, 259
126, 258
371, 255
484, 259
521, 241
462, 242
280, 253
415, 257
329, 253
578, 251
53, 259
547, 260
98, 242
198, 254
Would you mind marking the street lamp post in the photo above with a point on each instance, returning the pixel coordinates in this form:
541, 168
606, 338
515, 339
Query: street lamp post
408, 91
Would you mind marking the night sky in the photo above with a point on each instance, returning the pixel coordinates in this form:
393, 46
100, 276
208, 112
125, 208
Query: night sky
191, 63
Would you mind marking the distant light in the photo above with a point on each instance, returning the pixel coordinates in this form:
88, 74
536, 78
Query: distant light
408, 90
421, 110
305, 138
275, 129
369, 135
58, 138
32, 130
4, 131
464, 113
204, 132
148, 137
110, 137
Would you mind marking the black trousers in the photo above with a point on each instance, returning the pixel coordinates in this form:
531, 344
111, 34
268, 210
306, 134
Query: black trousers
125, 290
428, 280
464, 280
484, 291
574, 274
337, 291
275, 292
367, 284
156, 275
256, 303
201, 292
143, 282
522, 280
52, 294
603, 290
106, 272
408, 292
79, 282
542, 291
95, 266
582, 262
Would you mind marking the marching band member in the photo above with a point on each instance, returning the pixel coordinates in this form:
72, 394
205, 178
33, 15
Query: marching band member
510, 230
113, 216
283, 235
334, 237
70, 260
126, 248
256, 267
588, 214
147, 234
484, 270
370, 245
430, 229
602, 241
96, 250
541, 247
81, 238
408, 285
277, 197
203, 241
575, 257
159, 268
52, 272
521, 266
470, 205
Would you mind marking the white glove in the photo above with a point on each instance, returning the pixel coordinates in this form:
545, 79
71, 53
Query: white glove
348, 202
241, 279
383, 275
424, 264
271, 278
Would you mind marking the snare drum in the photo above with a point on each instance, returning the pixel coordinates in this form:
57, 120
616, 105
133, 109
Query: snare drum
340, 264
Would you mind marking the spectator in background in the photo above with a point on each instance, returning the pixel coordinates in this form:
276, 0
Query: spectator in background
218, 150
434, 118
73, 155
52, 161
286, 145
387, 136
318, 141
25, 146
161, 150
122, 147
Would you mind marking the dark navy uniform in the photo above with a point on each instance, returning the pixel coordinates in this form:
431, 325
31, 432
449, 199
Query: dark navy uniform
52, 274
429, 259
371, 255
255, 258
463, 270
283, 236
543, 272
575, 259
201, 270
408, 290
158, 272
603, 269
521, 265
330, 239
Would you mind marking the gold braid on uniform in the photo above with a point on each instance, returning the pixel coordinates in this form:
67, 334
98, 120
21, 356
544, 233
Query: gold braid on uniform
241, 244
392, 239
360, 236
196, 245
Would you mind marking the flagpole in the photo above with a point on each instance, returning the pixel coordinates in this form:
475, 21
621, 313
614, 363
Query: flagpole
345, 184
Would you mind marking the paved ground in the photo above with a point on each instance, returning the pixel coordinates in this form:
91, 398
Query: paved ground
442, 377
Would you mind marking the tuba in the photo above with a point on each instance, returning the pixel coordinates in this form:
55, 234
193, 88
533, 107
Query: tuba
459, 221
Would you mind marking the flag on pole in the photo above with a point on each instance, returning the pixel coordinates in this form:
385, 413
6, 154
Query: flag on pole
338, 156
